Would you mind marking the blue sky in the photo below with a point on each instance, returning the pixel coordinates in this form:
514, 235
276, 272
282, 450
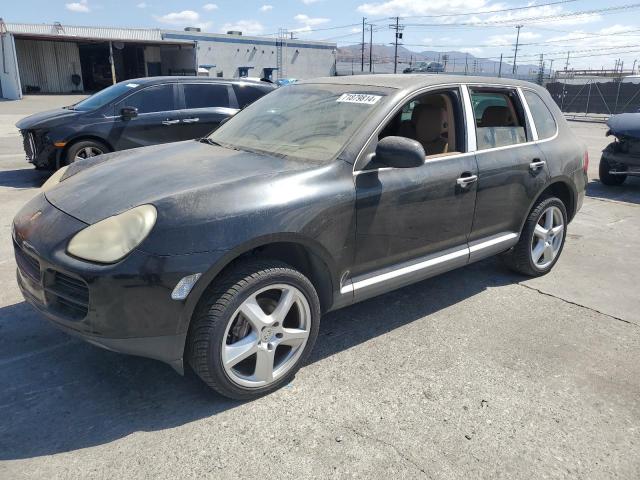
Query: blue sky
596, 39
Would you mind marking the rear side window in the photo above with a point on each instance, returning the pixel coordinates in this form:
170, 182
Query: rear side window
542, 116
247, 94
158, 98
499, 118
203, 95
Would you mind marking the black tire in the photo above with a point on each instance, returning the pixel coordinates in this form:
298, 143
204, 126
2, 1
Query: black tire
606, 177
73, 150
215, 310
519, 258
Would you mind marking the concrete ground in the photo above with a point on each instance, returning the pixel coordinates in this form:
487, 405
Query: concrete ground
478, 373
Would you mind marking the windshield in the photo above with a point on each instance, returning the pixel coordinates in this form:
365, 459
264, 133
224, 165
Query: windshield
105, 96
312, 122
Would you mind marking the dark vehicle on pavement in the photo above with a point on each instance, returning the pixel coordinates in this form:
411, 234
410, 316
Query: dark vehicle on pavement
225, 252
621, 158
135, 113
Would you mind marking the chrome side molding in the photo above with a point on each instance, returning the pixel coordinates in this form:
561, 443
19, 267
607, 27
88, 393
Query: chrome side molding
390, 278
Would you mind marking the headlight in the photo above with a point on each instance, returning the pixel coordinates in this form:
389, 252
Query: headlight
113, 238
53, 179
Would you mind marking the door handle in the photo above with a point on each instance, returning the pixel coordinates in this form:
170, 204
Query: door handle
536, 165
464, 182
190, 120
170, 122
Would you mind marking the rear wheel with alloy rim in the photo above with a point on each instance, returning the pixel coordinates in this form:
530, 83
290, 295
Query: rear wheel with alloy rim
254, 328
542, 239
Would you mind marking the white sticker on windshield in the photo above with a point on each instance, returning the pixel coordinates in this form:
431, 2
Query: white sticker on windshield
132, 85
363, 98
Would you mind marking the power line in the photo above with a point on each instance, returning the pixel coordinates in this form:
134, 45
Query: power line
485, 12
556, 16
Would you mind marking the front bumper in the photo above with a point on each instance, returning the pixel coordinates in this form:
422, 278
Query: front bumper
125, 307
38, 150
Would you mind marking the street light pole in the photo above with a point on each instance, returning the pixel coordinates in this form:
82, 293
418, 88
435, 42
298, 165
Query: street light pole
362, 50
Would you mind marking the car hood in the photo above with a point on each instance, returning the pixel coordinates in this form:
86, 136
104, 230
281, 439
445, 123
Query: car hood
625, 124
48, 119
172, 174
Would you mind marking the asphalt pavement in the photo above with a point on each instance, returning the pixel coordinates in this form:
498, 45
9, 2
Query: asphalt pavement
478, 373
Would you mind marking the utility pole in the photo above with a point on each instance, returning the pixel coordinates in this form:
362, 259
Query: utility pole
362, 45
541, 70
633, 69
500, 69
550, 68
398, 29
466, 64
515, 55
370, 47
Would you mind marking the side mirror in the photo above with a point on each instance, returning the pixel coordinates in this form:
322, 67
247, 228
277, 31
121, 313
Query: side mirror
128, 112
400, 152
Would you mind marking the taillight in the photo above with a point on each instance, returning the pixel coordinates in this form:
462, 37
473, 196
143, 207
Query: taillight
585, 161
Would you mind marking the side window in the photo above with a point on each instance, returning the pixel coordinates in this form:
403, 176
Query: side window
247, 94
434, 120
205, 95
158, 98
499, 118
542, 116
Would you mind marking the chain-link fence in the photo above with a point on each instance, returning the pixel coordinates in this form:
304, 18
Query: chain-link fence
593, 96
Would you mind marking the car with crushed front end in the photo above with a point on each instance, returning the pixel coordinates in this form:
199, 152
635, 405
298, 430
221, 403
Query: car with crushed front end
621, 158
223, 253
135, 113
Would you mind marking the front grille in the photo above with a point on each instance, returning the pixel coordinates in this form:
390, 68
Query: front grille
28, 265
67, 295
29, 144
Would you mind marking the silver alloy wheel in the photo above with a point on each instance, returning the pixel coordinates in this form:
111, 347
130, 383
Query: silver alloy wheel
547, 237
266, 335
87, 152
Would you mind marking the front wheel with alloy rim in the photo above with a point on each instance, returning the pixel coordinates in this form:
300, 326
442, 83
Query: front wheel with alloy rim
253, 329
84, 149
541, 240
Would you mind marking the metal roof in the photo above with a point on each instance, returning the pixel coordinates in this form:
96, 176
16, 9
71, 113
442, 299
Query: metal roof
72, 32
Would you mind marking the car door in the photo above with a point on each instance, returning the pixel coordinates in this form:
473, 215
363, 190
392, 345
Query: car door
157, 119
511, 168
206, 104
414, 222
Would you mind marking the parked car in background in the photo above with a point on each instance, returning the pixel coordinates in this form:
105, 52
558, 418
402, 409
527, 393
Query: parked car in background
286, 81
621, 158
425, 67
135, 113
225, 252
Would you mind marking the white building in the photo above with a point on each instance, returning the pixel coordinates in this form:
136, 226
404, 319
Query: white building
55, 58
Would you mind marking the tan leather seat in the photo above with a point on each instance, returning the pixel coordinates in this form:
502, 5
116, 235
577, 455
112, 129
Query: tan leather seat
429, 127
496, 116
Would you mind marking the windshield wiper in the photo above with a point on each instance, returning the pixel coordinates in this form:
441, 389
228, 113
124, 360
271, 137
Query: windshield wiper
208, 141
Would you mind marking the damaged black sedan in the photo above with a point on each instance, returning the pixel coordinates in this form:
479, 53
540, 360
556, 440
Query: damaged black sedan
621, 158
225, 252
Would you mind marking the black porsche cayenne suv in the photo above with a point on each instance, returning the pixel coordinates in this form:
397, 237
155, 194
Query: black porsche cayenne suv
225, 252
135, 113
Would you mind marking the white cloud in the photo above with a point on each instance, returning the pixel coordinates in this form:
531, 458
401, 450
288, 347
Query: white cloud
266, 8
420, 7
248, 27
185, 17
81, 7
209, 7
510, 38
309, 2
142, 5
308, 21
